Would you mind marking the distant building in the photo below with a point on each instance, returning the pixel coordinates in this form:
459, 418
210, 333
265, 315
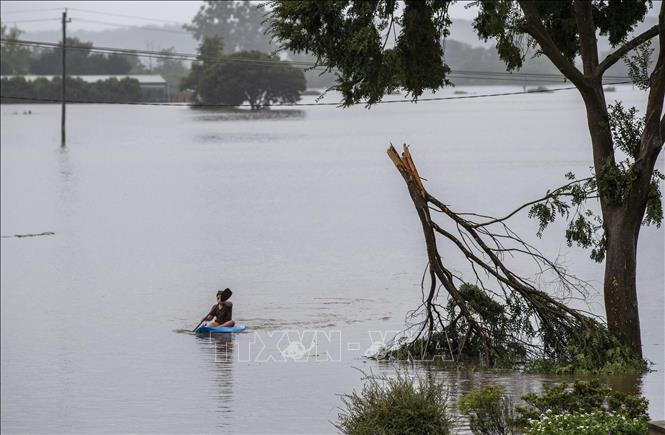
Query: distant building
153, 87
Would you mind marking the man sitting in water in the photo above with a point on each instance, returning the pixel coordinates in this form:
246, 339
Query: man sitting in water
220, 313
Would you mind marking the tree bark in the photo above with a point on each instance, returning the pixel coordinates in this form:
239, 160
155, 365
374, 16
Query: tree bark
620, 286
622, 221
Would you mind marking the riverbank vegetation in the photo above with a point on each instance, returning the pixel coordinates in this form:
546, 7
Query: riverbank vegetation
399, 405
580, 408
406, 404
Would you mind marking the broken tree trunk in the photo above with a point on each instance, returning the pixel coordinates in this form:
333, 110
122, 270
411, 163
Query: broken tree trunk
503, 313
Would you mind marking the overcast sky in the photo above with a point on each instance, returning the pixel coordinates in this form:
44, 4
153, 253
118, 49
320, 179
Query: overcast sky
146, 12
23, 12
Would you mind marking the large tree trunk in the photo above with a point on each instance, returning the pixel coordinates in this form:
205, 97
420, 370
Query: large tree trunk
620, 285
622, 224
622, 221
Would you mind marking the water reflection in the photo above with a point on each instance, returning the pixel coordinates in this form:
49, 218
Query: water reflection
219, 352
225, 114
65, 174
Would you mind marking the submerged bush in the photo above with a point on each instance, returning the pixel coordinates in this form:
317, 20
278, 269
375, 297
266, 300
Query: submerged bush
490, 412
399, 405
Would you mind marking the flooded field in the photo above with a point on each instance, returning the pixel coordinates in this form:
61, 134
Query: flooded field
299, 211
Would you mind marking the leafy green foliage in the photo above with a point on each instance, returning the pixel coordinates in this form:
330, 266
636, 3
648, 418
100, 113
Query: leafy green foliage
613, 182
591, 350
588, 408
504, 21
591, 423
582, 397
626, 128
351, 36
399, 405
510, 327
638, 65
489, 410
258, 78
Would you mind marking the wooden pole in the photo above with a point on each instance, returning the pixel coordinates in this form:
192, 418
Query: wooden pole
64, 75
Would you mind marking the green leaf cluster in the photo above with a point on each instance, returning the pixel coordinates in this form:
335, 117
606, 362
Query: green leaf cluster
591, 423
581, 408
351, 36
638, 65
489, 410
510, 327
582, 397
504, 21
399, 405
590, 350
612, 182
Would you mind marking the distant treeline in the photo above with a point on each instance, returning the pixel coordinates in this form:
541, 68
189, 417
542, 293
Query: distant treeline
18, 59
110, 90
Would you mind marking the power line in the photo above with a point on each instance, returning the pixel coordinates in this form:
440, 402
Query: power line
32, 21
145, 103
517, 76
125, 16
28, 11
152, 29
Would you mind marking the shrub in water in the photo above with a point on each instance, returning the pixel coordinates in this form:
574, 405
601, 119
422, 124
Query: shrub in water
592, 423
399, 405
584, 408
490, 412
583, 397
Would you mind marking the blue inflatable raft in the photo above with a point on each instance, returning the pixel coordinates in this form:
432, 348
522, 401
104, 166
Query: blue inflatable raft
215, 329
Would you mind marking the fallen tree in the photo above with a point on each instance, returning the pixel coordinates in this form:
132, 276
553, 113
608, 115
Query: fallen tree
501, 318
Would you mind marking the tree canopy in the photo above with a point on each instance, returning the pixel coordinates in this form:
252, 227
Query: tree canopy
80, 60
14, 58
352, 38
238, 23
257, 78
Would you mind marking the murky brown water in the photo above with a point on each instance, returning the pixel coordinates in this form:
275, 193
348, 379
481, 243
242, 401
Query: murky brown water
300, 212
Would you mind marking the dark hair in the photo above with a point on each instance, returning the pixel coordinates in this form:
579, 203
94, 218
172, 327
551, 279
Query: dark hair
226, 293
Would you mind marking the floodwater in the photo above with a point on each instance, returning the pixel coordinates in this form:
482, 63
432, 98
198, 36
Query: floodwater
299, 212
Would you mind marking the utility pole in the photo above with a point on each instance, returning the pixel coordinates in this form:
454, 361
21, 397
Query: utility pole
64, 75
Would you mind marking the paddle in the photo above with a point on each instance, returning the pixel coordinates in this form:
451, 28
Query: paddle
200, 323
225, 295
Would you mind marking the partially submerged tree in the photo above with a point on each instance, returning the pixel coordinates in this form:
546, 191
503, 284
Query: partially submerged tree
257, 78
350, 36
